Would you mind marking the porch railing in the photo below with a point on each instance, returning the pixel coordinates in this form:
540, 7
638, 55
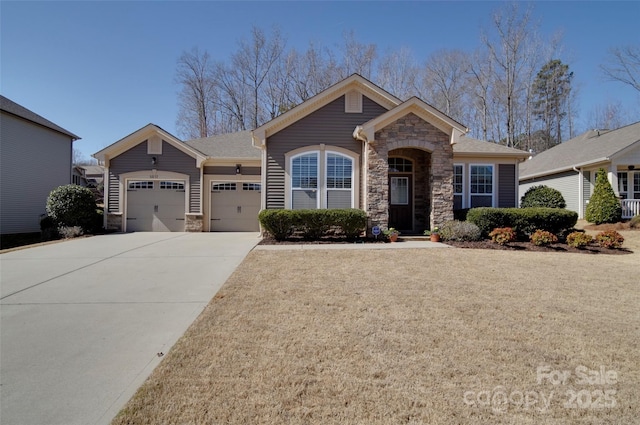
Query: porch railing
630, 207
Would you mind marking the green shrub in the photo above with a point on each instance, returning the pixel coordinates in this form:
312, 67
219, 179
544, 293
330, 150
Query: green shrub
635, 222
609, 239
542, 196
313, 224
543, 238
48, 229
279, 223
524, 221
603, 206
460, 231
579, 239
72, 205
502, 235
352, 221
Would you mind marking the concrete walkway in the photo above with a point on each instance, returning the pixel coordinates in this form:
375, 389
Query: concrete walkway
83, 321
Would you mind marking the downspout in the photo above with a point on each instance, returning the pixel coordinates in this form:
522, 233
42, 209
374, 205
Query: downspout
359, 134
580, 192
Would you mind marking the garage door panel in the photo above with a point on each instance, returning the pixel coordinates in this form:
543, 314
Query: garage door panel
152, 207
233, 208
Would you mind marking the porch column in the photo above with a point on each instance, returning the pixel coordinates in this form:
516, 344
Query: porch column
378, 184
441, 185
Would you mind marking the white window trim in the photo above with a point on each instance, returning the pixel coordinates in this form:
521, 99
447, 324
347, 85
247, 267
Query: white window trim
319, 177
463, 180
493, 182
322, 150
325, 188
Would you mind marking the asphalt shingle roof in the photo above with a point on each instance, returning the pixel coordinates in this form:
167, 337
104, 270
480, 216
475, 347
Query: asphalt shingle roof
590, 147
233, 145
13, 108
469, 145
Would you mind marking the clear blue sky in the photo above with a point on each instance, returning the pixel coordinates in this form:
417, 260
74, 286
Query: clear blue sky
104, 69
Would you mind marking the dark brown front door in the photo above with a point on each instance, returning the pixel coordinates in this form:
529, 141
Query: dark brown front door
401, 201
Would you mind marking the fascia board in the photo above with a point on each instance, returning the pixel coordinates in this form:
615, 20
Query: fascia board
567, 168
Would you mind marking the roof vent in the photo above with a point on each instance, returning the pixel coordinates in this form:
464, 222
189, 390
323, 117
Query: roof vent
353, 102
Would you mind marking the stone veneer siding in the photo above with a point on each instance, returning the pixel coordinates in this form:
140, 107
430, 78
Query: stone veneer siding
114, 222
193, 223
410, 131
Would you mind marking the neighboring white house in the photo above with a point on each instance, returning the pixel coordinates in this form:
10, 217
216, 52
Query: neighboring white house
35, 158
571, 167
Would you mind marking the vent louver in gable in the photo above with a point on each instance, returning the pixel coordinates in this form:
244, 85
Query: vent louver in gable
154, 145
353, 102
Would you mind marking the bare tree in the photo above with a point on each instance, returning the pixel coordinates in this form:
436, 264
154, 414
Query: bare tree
478, 85
357, 57
623, 65
197, 94
442, 81
607, 117
509, 54
397, 73
78, 158
254, 60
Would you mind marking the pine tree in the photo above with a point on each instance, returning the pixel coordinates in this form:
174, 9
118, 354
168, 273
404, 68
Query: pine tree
551, 90
603, 206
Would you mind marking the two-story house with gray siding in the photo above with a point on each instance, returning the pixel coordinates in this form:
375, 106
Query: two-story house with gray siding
354, 145
35, 158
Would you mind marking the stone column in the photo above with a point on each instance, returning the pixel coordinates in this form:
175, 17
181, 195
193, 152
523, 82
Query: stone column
441, 185
378, 184
193, 223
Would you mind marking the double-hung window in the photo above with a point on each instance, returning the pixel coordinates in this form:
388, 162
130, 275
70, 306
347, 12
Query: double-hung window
304, 181
481, 185
339, 180
321, 179
458, 185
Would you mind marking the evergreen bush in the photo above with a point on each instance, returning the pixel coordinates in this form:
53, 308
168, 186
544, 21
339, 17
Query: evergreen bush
603, 206
72, 205
542, 196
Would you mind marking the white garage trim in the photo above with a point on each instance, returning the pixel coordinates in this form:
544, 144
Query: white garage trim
149, 175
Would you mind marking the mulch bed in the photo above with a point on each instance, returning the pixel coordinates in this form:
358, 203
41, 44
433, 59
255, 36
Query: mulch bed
513, 246
528, 246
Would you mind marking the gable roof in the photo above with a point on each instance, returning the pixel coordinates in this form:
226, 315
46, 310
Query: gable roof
13, 108
468, 146
421, 109
227, 146
591, 147
354, 82
143, 134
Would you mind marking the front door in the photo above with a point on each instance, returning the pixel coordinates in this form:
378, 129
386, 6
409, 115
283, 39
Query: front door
401, 201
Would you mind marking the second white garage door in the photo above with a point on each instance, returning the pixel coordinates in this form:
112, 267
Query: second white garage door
235, 207
155, 206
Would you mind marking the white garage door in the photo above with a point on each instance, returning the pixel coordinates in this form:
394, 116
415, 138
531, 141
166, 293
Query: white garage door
155, 206
235, 207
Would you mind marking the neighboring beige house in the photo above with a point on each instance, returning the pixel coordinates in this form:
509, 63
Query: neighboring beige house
354, 145
571, 167
35, 158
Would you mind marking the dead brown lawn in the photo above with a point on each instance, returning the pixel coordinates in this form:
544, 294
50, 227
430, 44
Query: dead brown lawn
433, 336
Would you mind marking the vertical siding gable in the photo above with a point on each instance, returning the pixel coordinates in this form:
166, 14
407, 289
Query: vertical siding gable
330, 125
137, 159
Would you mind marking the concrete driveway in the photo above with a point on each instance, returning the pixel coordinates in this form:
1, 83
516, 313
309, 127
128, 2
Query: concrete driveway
83, 321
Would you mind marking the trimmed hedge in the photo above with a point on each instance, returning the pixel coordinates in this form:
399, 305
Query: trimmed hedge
542, 196
313, 224
524, 221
